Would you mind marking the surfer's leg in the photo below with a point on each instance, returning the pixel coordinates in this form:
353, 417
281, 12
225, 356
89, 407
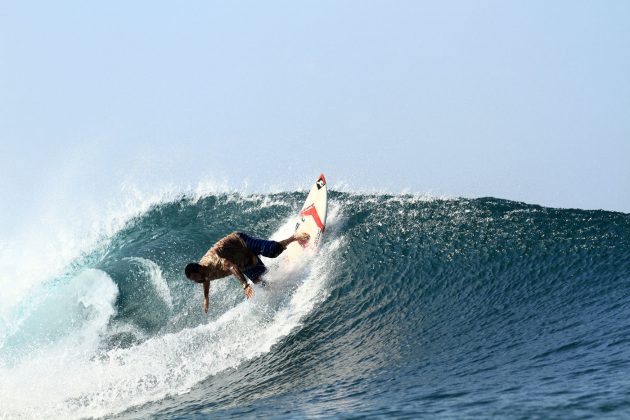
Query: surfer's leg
266, 248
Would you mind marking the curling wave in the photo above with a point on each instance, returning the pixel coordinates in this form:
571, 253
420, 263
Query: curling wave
413, 306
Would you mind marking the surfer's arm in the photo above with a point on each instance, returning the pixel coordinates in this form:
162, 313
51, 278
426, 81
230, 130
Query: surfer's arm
236, 272
206, 292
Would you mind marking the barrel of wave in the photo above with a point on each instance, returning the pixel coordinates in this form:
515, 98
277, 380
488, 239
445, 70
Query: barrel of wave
312, 220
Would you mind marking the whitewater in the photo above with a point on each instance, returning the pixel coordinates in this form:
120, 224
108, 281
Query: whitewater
414, 306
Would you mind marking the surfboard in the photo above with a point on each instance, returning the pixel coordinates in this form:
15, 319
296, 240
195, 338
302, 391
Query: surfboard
312, 220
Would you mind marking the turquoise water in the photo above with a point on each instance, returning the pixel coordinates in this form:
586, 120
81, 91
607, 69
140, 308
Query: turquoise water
413, 307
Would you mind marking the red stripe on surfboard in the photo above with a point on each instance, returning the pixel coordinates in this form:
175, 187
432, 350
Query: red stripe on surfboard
312, 211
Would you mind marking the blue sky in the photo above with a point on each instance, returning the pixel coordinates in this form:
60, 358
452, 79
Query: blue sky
521, 100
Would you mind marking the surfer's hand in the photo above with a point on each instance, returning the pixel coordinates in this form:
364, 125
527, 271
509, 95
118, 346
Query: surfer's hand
205, 305
249, 292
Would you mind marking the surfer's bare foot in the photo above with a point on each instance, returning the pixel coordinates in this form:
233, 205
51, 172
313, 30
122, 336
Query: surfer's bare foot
302, 237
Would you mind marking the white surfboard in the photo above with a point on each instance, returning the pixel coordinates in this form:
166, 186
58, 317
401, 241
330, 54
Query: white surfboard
312, 220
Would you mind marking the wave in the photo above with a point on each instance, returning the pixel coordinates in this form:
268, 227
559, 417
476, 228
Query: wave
413, 305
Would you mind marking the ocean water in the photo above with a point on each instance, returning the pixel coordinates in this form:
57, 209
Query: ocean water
413, 307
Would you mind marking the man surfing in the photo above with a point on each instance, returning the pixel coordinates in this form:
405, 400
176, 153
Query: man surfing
237, 254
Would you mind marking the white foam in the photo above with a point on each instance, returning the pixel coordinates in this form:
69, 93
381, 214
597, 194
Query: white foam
60, 331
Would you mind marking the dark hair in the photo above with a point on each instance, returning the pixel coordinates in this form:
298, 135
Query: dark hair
192, 268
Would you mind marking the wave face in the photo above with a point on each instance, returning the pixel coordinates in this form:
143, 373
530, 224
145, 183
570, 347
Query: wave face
413, 306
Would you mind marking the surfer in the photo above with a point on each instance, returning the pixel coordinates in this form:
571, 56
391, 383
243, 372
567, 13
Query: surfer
237, 254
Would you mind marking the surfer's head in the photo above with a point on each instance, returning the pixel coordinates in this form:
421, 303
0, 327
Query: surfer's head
193, 272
